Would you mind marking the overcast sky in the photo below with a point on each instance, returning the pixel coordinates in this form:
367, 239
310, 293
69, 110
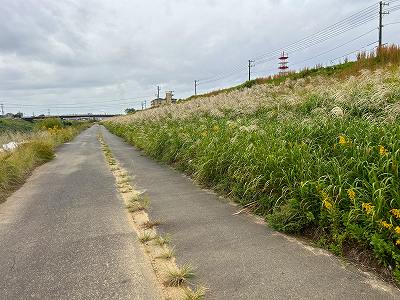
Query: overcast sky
73, 56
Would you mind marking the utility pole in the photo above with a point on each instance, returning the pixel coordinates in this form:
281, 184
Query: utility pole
145, 104
250, 66
48, 112
2, 109
196, 83
381, 14
158, 91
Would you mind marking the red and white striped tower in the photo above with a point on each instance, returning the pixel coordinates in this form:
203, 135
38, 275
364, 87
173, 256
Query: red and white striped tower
283, 63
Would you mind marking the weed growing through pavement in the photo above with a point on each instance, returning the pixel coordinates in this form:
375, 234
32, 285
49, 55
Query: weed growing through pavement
163, 240
135, 207
150, 224
137, 204
197, 294
179, 276
146, 237
167, 253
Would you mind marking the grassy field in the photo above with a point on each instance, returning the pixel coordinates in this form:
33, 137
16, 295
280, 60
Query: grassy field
315, 154
38, 140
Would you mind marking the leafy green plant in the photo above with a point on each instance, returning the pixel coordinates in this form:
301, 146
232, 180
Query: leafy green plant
49, 123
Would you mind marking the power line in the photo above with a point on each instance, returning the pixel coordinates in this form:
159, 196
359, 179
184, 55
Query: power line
320, 40
358, 50
340, 27
337, 47
329, 29
60, 106
104, 103
316, 41
391, 23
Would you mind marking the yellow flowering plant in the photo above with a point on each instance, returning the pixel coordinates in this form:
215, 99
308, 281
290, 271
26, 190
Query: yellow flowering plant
385, 224
395, 212
382, 150
352, 194
368, 208
342, 140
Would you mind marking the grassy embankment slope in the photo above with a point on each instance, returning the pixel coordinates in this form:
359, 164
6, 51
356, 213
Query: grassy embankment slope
38, 143
316, 155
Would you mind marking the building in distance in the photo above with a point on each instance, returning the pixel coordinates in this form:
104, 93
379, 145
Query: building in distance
168, 100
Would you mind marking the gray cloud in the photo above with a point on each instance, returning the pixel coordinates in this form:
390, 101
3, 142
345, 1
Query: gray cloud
73, 55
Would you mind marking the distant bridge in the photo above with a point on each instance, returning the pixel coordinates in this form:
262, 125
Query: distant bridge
73, 117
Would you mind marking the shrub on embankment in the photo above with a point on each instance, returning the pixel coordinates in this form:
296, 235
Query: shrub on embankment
37, 148
316, 155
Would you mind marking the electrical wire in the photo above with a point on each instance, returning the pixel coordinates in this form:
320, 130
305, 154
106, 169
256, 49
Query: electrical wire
358, 50
318, 41
329, 29
340, 27
337, 47
101, 102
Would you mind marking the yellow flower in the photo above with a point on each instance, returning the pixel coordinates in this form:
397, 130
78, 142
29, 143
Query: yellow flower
342, 140
397, 229
385, 224
204, 133
395, 212
368, 207
352, 194
397, 242
326, 201
216, 128
382, 150
327, 204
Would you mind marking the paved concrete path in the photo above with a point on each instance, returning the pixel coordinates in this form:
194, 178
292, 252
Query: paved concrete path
237, 258
66, 234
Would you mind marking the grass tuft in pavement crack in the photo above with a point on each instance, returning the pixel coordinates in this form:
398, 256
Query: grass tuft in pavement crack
146, 237
163, 240
179, 276
196, 294
155, 246
167, 254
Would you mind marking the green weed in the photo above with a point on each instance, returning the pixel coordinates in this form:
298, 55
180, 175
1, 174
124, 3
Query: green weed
179, 276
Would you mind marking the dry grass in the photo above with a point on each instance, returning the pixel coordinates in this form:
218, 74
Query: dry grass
179, 276
150, 224
37, 148
137, 203
197, 294
167, 254
146, 237
135, 207
163, 240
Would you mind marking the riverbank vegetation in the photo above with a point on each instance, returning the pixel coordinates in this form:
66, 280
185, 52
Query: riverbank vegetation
35, 144
316, 153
